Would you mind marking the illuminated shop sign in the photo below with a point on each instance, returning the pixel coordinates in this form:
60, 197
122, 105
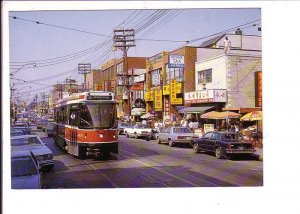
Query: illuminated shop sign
176, 61
206, 96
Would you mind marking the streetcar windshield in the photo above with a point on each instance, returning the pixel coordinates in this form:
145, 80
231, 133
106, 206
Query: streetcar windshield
97, 115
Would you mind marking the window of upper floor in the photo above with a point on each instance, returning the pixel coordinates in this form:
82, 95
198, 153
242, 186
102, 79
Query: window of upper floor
204, 76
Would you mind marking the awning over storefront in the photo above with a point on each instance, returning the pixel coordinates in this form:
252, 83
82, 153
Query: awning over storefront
191, 110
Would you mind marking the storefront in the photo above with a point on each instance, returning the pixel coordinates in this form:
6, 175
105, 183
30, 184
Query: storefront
167, 74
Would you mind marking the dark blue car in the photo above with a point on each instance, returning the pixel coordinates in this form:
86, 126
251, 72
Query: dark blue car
223, 144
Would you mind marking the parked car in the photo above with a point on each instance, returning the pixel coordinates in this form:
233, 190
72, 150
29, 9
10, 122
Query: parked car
33, 143
223, 144
139, 130
174, 134
49, 128
14, 132
22, 127
42, 123
122, 126
24, 171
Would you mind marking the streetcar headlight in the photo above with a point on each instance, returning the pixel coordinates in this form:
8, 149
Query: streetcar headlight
101, 135
114, 136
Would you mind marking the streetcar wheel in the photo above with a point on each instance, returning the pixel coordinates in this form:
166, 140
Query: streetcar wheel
106, 155
82, 152
171, 143
218, 153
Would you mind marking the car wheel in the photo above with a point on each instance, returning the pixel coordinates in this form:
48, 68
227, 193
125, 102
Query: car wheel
127, 135
218, 153
171, 143
196, 148
158, 140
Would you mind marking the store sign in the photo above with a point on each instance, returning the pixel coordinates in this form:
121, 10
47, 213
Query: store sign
174, 99
206, 96
166, 88
149, 96
155, 77
97, 87
137, 87
176, 61
258, 89
140, 78
158, 100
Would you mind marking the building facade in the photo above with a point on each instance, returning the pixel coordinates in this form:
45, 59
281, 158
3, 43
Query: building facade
169, 75
228, 78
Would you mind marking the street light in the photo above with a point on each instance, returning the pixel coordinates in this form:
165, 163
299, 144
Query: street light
14, 73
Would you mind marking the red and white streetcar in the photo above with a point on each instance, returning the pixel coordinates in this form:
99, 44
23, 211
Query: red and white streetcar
85, 123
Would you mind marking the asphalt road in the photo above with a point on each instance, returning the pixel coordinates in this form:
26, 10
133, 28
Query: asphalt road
147, 164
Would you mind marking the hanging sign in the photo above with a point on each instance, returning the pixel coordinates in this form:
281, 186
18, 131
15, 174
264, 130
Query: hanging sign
174, 99
158, 100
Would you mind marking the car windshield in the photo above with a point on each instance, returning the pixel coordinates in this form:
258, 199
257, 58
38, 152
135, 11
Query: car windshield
22, 166
25, 141
143, 126
182, 130
97, 115
229, 136
123, 124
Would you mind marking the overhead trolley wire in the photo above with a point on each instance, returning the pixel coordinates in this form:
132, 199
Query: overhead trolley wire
58, 26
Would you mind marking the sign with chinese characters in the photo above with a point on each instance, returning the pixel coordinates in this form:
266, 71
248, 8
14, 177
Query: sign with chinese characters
140, 78
176, 61
149, 96
206, 96
174, 99
158, 100
97, 87
166, 88
258, 89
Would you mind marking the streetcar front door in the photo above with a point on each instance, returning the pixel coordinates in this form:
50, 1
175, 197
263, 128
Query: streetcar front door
73, 129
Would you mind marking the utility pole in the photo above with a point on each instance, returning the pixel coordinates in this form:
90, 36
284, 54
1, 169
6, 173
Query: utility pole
84, 68
12, 89
124, 39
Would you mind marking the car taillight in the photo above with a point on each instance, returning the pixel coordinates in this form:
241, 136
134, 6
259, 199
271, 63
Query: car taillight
228, 146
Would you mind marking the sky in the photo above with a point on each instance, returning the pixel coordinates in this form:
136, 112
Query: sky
24, 41
31, 43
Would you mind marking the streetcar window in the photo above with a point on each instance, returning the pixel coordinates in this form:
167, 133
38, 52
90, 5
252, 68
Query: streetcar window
97, 115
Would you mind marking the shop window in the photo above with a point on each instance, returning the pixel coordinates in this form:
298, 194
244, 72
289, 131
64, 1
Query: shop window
120, 68
205, 76
174, 73
155, 77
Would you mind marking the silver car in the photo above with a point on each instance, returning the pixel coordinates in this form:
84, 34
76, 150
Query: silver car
33, 143
24, 171
49, 129
173, 135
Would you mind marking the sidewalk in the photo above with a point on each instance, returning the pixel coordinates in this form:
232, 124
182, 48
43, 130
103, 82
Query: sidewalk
258, 154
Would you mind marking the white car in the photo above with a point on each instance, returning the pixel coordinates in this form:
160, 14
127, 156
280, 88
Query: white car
33, 143
24, 171
138, 130
49, 129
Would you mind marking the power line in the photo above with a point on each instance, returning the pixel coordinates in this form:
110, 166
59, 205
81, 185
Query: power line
58, 26
224, 31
